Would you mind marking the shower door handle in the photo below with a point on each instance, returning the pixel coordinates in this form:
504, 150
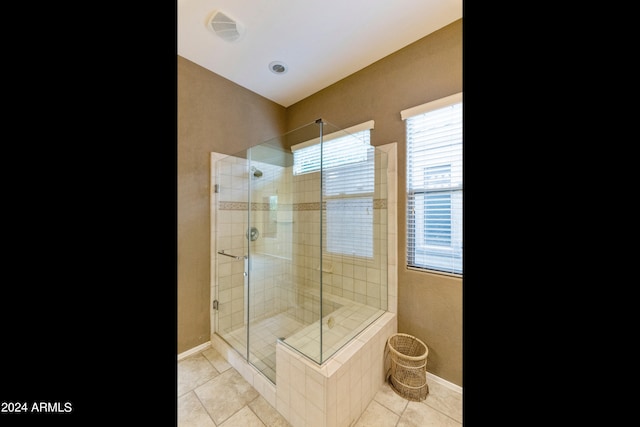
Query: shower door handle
232, 256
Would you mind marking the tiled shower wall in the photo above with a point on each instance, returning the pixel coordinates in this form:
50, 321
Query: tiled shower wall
270, 254
286, 276
357, 279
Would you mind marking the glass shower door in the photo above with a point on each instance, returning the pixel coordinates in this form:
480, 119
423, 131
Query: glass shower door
269, 239
231, 251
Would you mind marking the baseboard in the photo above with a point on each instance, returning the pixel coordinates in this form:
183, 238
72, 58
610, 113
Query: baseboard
194, 350
445, 383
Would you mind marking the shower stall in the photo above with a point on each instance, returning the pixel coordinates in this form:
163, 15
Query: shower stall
299, 244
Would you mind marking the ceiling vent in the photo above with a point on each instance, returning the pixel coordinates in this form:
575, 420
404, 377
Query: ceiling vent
225, 27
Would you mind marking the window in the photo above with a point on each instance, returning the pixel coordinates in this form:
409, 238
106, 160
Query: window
434, 185
348, 178
337, 152
348, 195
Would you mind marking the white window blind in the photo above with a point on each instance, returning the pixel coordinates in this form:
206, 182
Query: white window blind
348, 194
348, 179
434, 185
338, 149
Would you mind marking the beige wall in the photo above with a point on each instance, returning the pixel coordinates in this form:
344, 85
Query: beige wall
216, 115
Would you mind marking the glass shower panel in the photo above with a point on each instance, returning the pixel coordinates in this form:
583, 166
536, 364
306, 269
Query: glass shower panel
354, 245
270, 253
285, 253
303, 210
232, 250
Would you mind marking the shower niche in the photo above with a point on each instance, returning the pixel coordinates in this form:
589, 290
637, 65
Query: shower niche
301, 262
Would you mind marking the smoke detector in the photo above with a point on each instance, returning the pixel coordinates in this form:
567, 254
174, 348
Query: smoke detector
225, 27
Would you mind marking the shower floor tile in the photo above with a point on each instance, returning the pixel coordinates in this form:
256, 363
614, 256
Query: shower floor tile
264, 334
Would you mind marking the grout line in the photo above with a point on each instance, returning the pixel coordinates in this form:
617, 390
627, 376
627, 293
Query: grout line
203, 406
254, 412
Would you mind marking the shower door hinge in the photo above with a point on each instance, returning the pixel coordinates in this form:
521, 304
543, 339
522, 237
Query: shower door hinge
216, 188
215, 304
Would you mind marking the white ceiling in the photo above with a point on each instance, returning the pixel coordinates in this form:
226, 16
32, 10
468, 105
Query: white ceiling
321, 42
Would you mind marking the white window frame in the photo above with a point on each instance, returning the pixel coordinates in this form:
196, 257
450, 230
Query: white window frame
422, 184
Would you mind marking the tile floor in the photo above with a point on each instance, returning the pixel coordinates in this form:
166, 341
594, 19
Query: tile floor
211, 393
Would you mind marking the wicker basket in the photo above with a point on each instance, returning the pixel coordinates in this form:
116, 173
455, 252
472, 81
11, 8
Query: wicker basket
407, 367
